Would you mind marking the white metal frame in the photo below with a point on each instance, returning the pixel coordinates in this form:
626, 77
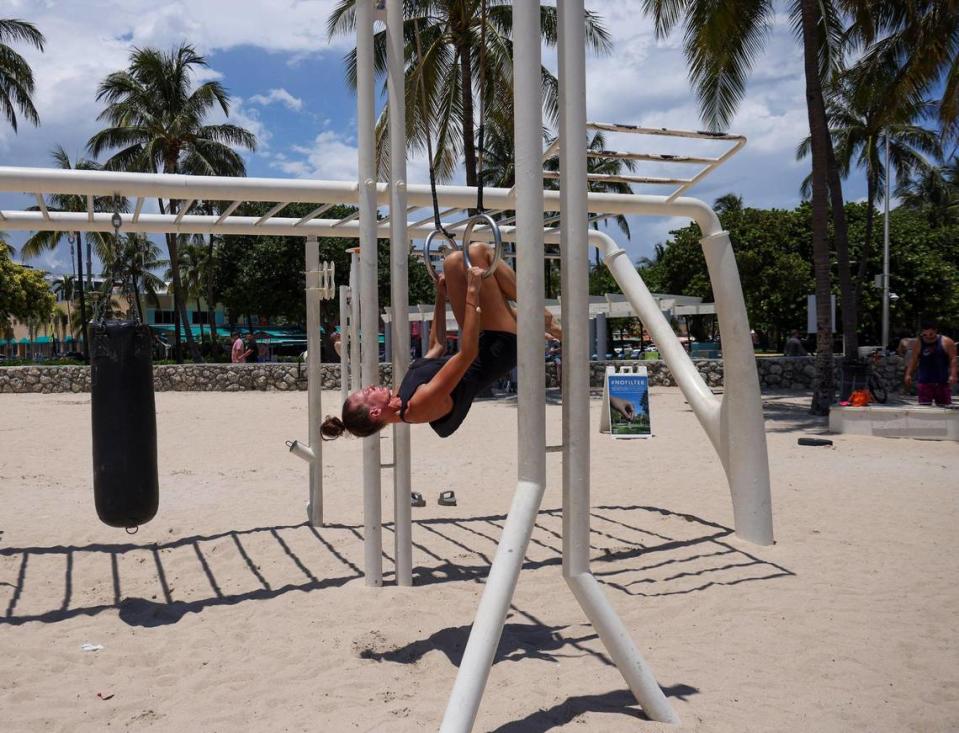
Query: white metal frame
709, 163
733, 421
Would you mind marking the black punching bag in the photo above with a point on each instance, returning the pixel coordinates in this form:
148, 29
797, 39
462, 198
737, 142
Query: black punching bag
124, 423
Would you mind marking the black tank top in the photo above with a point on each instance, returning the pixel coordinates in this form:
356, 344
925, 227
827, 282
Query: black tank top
933, 362
497, 357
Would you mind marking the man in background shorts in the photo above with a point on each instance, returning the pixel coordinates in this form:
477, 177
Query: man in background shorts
934, 362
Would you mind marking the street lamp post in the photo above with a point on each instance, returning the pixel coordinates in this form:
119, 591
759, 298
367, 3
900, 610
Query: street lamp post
885, 257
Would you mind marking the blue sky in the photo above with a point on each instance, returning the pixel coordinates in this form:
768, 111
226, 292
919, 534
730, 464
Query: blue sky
289, 88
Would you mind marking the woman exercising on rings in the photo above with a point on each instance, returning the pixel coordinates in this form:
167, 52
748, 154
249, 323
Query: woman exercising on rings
440, 389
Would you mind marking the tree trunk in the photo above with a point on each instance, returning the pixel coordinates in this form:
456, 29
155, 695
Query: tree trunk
210, 304
83, 300
179, 303
469, 146
816, 110
199, 310
847, 291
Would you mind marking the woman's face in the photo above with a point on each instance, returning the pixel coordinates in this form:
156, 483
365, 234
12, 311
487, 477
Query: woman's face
373, 398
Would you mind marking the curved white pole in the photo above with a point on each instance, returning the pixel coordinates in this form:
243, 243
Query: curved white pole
734, 424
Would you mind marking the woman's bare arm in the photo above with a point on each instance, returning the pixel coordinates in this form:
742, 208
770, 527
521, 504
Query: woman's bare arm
438, 332
432, 400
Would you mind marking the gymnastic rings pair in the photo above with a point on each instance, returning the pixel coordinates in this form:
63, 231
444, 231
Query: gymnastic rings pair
473, 221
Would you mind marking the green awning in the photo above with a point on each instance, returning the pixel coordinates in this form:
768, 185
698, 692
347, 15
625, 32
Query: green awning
24, 341
43, 340
168, 328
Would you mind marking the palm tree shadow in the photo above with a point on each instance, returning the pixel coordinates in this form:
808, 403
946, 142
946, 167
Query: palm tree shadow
616, 702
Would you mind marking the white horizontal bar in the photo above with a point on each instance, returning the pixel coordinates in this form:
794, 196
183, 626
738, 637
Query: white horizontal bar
43, 205
313, 214
608, 178
229, 210
183, 210
386, 219
652, 157
203, 224
662, 131
269, 214
210, 188
347, 219
553, 151
432, 217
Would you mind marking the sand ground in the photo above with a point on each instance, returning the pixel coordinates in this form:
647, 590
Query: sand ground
229, 613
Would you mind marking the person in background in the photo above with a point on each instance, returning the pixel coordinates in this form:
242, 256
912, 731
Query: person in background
935, 365
794, 346
238, 353
252, 350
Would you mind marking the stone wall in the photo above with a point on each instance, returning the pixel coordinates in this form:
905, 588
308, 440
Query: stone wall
796, 373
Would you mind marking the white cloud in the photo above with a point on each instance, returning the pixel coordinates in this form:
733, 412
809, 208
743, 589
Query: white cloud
280, 96
331, 156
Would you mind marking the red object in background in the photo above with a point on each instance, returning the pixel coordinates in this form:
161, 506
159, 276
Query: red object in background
859, 398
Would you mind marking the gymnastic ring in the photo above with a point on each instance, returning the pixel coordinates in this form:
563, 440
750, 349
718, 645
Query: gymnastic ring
426, 251
497, 241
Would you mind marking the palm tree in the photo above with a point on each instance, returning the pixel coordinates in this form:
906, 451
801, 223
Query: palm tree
49, 240
156, 122
447, 35
5, 245
193, 257
861, 117
721, 42
933, 191
65, 287
212, 244
134, 262
922, 43
16, 77
729, 203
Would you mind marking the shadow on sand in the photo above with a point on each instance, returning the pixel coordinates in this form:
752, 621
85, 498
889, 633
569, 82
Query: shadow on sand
637, 550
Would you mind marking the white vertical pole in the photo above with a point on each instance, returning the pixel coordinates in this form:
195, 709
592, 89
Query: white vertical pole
369, 310
885, 256
575, 286
575, 294
345, 341
355, 382
314, 378
399, 285
491, 615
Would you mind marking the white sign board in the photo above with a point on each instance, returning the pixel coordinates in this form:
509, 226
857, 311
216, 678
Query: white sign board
811, 313
626, 403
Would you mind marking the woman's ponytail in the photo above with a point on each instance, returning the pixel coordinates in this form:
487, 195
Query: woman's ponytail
332, 428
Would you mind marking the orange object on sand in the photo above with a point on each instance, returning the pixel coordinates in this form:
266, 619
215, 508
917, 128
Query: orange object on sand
859, 398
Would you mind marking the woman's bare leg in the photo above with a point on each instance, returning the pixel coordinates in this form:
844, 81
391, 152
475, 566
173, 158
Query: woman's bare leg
498, 289
495, 312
